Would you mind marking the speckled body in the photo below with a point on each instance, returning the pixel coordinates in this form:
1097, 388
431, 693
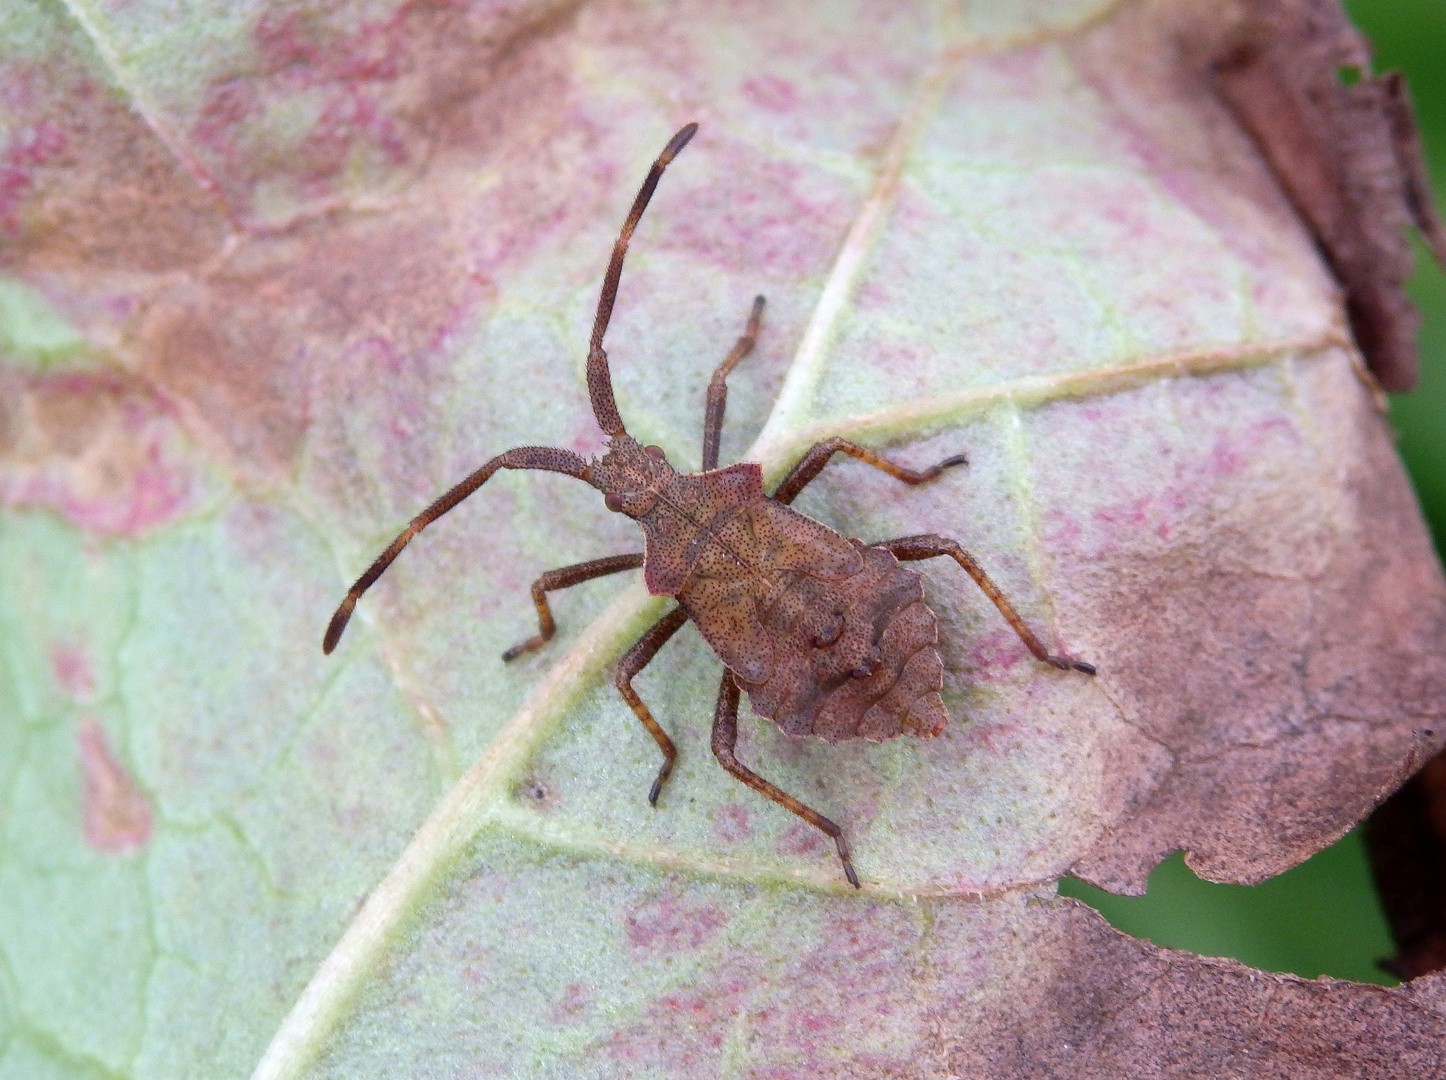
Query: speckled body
828, 636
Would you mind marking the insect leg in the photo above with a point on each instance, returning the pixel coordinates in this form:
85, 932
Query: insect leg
633, 661
718, 387
562, 578
812, 463
545, 458
725, 738
599, 379
929, 546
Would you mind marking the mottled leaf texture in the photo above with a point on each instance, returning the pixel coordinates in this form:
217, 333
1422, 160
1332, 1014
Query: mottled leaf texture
276, 274
1343, 144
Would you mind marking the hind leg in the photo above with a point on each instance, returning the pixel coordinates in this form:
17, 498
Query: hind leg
725, 738
929, 546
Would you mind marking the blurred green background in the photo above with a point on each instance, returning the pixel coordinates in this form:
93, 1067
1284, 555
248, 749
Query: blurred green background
1322, 917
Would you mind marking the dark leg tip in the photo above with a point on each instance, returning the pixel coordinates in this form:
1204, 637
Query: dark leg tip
843, 856
662, 778
1064, 663
532, 644
957, 459
337, 625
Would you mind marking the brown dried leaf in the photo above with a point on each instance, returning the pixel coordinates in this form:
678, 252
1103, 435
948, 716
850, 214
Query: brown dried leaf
1406, 839
1102, 1005
1346, 153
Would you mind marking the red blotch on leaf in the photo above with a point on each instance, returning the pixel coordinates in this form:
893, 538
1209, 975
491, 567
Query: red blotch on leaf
115, 817
670, 925
71, 668
93, 447
994, 655
572, 1006
801, 841
37, 144
731, 824
770, 92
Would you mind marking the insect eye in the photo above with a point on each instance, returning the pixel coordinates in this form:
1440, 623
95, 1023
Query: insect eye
654, 452
613, 502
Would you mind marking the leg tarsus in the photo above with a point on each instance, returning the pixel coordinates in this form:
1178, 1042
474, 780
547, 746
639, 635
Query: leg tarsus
812, 463
633, 661
848, 864
931, 545
725, 739
562, 578
718, 386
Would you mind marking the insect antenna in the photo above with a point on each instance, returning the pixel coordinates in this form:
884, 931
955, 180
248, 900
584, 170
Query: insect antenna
544, 458
599, 380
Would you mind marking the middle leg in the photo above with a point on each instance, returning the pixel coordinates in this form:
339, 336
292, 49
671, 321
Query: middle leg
812, 463
725, 738
562, 578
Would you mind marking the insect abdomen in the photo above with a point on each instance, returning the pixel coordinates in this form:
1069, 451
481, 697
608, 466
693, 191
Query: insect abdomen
853, 658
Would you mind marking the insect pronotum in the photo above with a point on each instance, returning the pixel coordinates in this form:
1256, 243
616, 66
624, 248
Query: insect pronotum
828, 635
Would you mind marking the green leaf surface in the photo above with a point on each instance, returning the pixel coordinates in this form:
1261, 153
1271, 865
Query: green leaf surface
277, 275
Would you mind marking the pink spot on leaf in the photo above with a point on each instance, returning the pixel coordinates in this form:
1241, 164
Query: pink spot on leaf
71, 668
731, 824
27, 149
572, 1006
770, 92
115, 817
672, 925
993, 655
801, 840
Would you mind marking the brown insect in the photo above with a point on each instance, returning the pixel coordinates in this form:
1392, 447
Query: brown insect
830, 636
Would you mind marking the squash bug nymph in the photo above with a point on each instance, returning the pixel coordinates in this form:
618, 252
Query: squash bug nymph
828, 635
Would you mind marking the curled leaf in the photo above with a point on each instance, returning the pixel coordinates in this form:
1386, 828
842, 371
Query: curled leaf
1343, 143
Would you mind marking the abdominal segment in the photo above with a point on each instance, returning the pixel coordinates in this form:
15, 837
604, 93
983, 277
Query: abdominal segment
850, 658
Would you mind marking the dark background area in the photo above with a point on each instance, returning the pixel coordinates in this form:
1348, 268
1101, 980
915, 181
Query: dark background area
1323, 917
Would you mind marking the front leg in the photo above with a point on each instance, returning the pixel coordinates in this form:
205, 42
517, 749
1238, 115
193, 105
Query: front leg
562, 578
929, 546
812, 463
725, 738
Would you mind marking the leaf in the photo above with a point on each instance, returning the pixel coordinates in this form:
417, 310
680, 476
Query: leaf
1343, 143
281, 274
1405, 837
